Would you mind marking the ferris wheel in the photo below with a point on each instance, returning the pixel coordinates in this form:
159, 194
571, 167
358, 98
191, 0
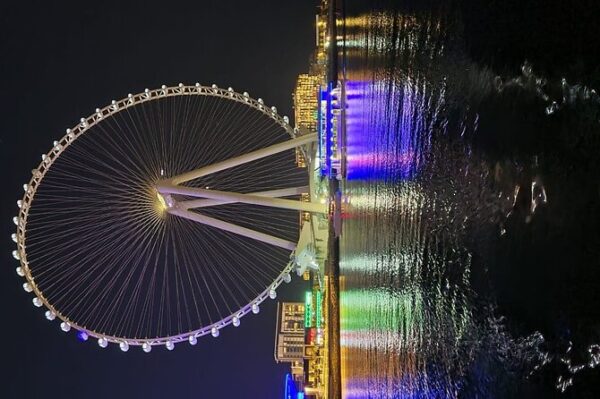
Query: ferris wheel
163, 217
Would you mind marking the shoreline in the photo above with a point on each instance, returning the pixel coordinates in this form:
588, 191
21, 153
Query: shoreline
332, 270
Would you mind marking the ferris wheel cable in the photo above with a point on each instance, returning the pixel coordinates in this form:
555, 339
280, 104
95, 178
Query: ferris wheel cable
193, 281
275, 224
111, 129
125, 306
56, 231
235, 275
265, 167
73, 283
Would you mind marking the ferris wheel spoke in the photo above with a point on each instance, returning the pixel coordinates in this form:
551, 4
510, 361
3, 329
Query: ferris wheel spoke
106, 256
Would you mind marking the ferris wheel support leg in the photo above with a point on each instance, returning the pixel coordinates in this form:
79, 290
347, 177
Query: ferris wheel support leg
233, 228
242, 159
283, 192
313, 207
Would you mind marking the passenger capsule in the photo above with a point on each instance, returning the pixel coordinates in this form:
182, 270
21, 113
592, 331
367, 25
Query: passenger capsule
170, 345
255, 308
50, 315
37, 302
82, 336
214, 332
124, 346
102, 342
146, 347
193, 340
66, 327
20, 271
235, 321
27, 287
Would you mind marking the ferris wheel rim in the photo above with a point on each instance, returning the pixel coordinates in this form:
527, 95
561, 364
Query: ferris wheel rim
77, 131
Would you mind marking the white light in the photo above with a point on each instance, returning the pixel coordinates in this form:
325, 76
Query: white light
246, 94
25, 187
16, 221
180, 84
66, 327
260, 101
214, 332
27, 287
272, 293
170, 345
214, 86
50, 315
286, 119
197, 84
193, 340
102, 342
37, 302
274, 109
20, 271
55, 143
163, 87
287, 277
124, 346
235, 321
19, 203
15, 255
44, 157
230, 89
146, 347
255, 308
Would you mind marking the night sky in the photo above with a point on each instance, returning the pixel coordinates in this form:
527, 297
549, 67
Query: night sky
60, 62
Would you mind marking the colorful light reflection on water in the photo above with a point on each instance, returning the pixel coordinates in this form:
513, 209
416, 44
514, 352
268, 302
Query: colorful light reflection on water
407, 323
438, 234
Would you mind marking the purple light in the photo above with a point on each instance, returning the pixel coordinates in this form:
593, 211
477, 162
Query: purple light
82, 336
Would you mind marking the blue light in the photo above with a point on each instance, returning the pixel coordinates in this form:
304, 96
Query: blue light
291, 392
82, 336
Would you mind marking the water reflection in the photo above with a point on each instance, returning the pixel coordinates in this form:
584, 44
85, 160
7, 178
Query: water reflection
434, 211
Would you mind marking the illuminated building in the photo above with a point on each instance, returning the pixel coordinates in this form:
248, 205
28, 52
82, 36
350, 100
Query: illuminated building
306, 107
289, 338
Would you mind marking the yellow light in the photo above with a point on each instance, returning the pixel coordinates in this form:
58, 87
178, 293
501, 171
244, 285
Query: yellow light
162, 204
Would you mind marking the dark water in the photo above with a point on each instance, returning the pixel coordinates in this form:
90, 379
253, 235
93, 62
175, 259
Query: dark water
470, 252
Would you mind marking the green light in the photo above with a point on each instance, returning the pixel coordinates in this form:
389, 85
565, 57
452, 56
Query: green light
319, 309
308, 311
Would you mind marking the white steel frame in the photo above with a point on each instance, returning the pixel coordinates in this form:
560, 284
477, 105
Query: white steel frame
182, 209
